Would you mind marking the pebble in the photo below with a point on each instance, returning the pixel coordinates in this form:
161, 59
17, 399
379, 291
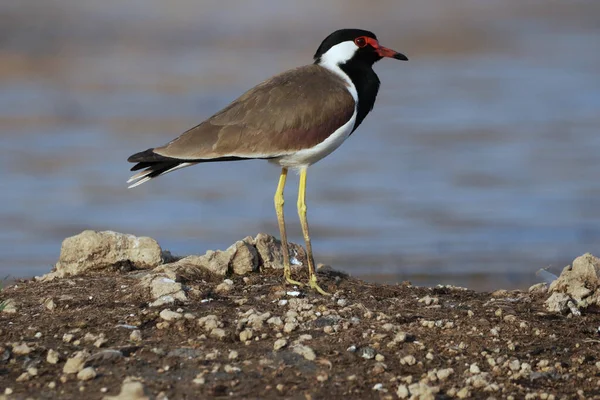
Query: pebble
402, 391
32, 371
233, 355
408, 360
135, 336
86, 374
463, 393
514, 365
474, 369
380, 357
21, 349
245, 335
305, 352
75, 363
23, 377
224, 287
218, 333
67, 337
169, 315
279, 344
290, 326
276, 321
342, 302
367, 352
444, 374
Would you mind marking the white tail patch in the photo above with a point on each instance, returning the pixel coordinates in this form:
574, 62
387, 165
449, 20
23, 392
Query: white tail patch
142, 177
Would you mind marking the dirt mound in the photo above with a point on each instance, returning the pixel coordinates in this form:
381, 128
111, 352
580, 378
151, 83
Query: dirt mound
225, 325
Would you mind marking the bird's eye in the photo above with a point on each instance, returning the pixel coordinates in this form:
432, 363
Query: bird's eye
360, 41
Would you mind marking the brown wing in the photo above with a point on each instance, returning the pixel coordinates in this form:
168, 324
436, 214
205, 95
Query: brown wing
292, 111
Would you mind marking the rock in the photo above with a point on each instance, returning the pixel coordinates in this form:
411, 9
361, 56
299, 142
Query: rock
402, 392
130, 390
166, 290
224, 287
279, 344
422, 391
305, 352
86, 374
93, 251
169, 315
269, 250
240, 258
245, 335
52, 357
209, 322
538, 288
290, 326
444, 374
75, 363
135, 336
21, 349
218, 333
581, 282
366, 352
8, 306
49, 304
557, 302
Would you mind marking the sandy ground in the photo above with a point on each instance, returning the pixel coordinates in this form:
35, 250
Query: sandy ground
95, 336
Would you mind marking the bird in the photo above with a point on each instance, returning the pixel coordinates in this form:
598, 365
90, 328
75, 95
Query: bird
292, 119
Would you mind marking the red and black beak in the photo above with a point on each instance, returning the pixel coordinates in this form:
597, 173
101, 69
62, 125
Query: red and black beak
385, 52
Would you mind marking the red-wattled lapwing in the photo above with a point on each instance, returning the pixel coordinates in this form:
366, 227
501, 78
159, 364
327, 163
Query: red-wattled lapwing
293, 119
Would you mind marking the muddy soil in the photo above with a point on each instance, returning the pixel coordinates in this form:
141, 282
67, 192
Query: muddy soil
94, 336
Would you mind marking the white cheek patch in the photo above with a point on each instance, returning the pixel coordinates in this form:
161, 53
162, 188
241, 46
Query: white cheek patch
338, 54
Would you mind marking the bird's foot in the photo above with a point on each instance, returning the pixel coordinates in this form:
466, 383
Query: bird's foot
312, 282
289, 280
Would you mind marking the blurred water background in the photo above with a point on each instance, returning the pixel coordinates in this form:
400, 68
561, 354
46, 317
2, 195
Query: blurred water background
479, 165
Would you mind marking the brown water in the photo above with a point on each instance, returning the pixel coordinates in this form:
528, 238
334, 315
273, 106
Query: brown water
478, 166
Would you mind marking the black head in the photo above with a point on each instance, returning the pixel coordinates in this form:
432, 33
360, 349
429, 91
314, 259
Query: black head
357, 45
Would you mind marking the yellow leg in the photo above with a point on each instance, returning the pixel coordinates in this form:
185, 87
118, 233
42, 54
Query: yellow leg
287, 271
312, 276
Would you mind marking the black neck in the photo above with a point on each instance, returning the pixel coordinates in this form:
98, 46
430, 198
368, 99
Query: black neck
367, 85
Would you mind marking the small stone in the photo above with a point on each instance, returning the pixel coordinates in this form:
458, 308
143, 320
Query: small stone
218, 333
9, 306
514, 365
402, 391
130, 390
169, 315
135, 336
367, 352
199, 379
342, 302
378, 387
245, 335
32, 371
21, 349
463, 393
380, 357
101, 341
474, 369
322, 377
8, 391
305, 352
290, 326
51, 385
67, 337
23, 377
408, 360
224, 287
162, 325
444, 374
52, 356
86, 374
75, 363
233, 355
279, 344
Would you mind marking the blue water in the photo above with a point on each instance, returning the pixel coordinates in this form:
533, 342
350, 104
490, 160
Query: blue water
477, 166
